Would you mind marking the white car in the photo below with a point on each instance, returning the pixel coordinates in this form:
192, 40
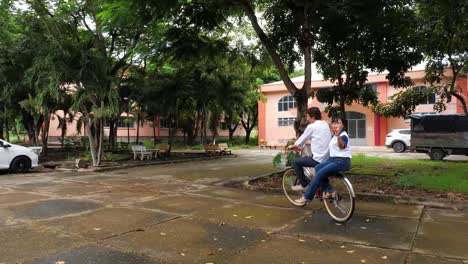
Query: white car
398, 139
17, 158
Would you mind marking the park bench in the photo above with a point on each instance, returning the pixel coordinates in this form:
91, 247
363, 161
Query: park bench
143, 152
211, 149
224, 148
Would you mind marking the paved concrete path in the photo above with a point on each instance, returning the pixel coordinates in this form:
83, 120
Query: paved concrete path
175, 214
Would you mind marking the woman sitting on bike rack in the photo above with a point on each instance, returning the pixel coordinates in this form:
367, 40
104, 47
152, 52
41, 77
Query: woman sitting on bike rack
340, 160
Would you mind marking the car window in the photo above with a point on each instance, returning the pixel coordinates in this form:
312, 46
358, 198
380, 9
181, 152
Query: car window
406, 132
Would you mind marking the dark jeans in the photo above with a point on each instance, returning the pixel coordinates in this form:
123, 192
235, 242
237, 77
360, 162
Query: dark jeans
322, 171
298, 165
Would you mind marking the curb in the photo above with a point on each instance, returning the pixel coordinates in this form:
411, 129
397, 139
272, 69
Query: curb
103, 169
371, 197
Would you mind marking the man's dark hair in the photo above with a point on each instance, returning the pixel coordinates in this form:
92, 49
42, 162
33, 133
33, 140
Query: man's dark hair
315, 113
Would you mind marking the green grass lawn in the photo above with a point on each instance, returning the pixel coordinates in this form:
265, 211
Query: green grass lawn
439, 176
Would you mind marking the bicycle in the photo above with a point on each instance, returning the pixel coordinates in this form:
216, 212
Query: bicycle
340, 207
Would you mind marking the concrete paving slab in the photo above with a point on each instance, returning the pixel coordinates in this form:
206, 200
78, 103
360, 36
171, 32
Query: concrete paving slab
96, 254
188, 241
9, 198
234, 194
106, 222
390, 210
50, 208
70, 189
35, 186
295, 250
443, 233
396, 233
253, 216
122, 197
23, 244
426, 259
184, 204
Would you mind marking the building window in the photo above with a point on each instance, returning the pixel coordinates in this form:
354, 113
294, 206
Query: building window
126, 122
122, 122
286, 103
356, 124
286, 121
163, 123
430, 99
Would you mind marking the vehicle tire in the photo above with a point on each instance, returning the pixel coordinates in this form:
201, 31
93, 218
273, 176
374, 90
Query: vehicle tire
437, 154
289, 180
341, 207
399, 147
20, 164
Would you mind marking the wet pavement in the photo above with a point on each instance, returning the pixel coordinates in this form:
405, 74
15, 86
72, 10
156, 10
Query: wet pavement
179, 214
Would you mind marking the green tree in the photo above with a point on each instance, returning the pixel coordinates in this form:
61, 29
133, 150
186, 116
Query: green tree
356, 37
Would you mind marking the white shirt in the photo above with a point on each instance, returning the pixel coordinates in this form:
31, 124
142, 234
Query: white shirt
320, 136
335, 150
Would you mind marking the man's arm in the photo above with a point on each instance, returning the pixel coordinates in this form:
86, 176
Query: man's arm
304, 137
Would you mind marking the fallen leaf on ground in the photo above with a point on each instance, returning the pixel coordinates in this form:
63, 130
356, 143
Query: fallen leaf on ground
363, 261
269, 232
350, 251
243, 236
342, 247
97, 229
301, 240
183, 254
367, 220
384, 257
219, 249
60, 262
363, 227
248, 217
263, 240
215, 239
163, 234
234, 215
338, 224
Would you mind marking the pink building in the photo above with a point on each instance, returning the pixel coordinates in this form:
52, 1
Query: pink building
277, 114
146, 130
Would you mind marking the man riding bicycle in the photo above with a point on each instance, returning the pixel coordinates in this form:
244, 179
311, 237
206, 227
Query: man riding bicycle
319, 134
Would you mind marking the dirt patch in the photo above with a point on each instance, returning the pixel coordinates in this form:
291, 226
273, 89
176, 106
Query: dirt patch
387, 185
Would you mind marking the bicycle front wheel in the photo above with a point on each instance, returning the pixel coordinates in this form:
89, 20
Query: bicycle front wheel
289, 180
340, 206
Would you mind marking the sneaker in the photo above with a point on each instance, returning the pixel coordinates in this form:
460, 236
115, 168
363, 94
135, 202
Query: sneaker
301, 201
298, 188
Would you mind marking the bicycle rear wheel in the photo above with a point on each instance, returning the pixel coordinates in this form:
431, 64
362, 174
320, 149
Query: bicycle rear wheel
340, 206
289, 180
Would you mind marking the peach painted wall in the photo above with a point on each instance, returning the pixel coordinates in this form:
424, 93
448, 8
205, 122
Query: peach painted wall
146, 130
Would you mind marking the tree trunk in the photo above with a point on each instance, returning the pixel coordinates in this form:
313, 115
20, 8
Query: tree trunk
101, 139
301, 123
45, 134
154, 133
92, 140
247, 136
1, 129
128, 129
138, 128
111, 134
232, 128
